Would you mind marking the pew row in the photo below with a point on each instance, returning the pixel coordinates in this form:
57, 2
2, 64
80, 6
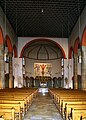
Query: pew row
69, 102
18, 99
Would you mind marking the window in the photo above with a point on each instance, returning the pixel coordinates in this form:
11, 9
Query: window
79, 59
6, 58
62, 62
23, 61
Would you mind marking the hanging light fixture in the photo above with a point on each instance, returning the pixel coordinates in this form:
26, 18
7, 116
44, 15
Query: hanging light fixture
42, 10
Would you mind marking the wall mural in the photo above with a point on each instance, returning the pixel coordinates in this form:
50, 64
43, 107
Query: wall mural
42, 69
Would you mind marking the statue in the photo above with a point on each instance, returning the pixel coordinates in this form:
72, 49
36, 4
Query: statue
43, 68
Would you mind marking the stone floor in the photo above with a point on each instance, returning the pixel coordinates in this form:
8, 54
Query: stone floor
43, 108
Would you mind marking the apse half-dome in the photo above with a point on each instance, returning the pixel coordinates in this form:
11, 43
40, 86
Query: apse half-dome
42, 50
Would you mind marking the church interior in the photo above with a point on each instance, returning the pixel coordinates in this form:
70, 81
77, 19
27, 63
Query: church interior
42, 59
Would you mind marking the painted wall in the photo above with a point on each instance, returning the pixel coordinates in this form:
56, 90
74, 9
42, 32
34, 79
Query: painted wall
56, 67
17, 69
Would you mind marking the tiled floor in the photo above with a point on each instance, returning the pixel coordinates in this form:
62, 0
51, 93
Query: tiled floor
43, 108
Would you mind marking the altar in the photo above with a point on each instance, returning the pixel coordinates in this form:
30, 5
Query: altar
43, 90
43, 87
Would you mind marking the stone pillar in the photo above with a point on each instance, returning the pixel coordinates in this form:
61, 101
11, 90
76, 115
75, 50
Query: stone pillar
34, 82
2, 78
83, 68
75, 71
10, 71
52, 83
70, 73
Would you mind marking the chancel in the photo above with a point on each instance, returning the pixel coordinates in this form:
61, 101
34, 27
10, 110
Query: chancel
43, 59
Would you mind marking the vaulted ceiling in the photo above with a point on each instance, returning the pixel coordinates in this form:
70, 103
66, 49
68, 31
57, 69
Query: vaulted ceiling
42, 50
43, 18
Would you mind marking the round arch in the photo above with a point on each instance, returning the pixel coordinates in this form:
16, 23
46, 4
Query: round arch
15, 51
84, 37
70, 52
9, 44
37, 40
1, 36
76, 44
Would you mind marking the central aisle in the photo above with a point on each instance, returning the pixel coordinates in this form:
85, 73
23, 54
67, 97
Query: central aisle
43, 108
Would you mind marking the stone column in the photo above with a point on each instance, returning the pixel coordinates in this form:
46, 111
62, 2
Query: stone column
10, 71
52, 83
83, 68
70, 73
34, 82
75, 71
2, 78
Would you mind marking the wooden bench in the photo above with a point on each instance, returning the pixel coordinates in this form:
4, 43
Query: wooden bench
78, 114
71, 101
67, 99
20, 99
72, 106
16, 106
8, 113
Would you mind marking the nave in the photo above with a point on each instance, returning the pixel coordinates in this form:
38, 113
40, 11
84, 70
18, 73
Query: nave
43, 108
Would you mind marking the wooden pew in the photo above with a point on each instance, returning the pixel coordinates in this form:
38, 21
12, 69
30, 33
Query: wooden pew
70, 97
72, 106
15, 96
16, 106
71, 101
8, 113
13, 101
78, 114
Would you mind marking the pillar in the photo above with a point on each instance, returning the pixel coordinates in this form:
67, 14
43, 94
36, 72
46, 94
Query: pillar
75, 71
34, 82
2, 79
10, 71
83, 68
70, 73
